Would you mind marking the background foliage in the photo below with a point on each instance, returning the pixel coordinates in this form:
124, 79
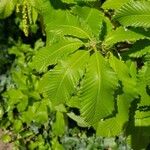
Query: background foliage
75, 74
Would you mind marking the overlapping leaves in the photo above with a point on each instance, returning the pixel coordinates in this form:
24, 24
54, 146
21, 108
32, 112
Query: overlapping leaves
75, 46
60, 83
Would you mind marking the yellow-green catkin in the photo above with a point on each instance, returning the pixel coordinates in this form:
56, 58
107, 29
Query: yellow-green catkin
18, 8
25, 18
26, 10
29, 10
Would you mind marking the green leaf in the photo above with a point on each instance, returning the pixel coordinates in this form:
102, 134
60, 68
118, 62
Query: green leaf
114, 4
60, 83
16, 97
43, 7
125, 35
134, 13
59, 124
37, 112
144, 83
1, 112
145, 98
139, 137
74, 102
51, 54
34, 15
142, 118
139, 49
114, 126
60, 108
73, 1
25, 134
80, 121
56, 145
6, 8
20, 79
17, 125
67, 24
97, 90
68, 1
93, 18
123, 72
6, 138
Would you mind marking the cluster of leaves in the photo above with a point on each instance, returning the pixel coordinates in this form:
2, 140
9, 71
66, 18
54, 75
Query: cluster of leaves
93, 68
30, 121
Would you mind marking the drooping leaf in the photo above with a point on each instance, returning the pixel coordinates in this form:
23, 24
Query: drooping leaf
134, 13
51, 54
97, 90
115, 125
60, 83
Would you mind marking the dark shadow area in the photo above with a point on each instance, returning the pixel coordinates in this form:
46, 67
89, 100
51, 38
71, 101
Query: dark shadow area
140, 136
58, 4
